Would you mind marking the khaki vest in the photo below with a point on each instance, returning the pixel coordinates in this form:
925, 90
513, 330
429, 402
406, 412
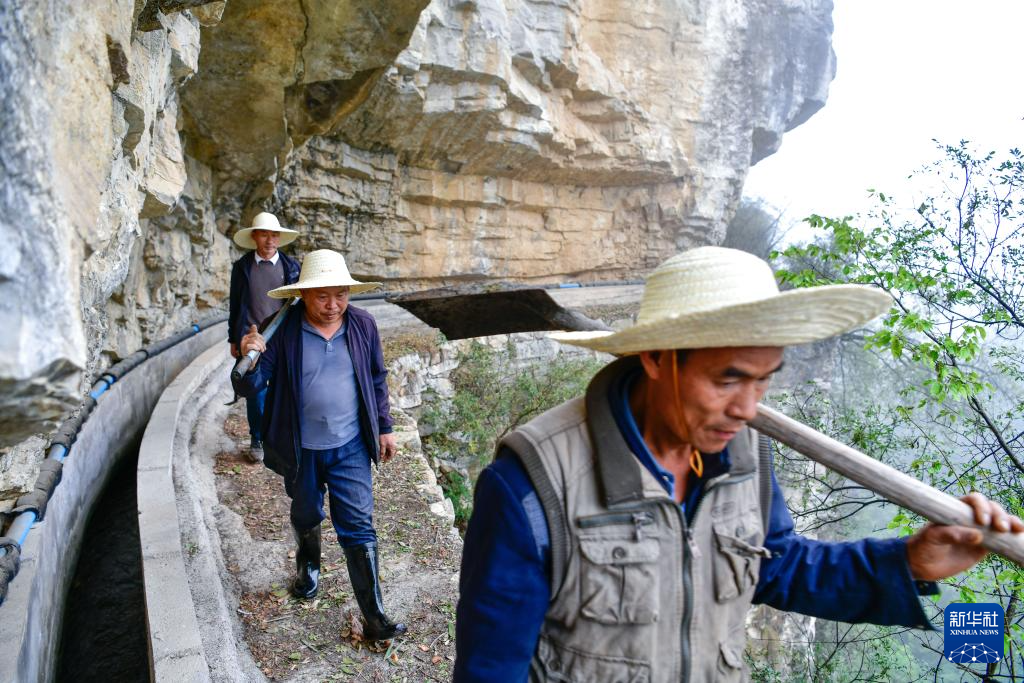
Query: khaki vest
637, 594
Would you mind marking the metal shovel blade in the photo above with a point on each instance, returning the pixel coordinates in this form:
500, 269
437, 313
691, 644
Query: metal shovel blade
461, 315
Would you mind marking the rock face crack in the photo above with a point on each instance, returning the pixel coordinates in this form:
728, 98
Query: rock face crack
300, 68
326, 101
149, 17
118, 62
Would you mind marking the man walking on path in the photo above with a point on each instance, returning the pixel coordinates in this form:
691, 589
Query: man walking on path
623, 536
252, 276
327, 416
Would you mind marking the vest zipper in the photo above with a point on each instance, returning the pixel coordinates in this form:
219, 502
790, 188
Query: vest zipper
688, 555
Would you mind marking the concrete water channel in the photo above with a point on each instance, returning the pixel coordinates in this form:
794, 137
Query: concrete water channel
103, 591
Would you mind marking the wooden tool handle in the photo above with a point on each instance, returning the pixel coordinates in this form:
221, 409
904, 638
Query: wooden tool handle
891, 484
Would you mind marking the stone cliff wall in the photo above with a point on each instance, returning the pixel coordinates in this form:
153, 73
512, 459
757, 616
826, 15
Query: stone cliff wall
547, 140
433, 140
94, 170
117, 198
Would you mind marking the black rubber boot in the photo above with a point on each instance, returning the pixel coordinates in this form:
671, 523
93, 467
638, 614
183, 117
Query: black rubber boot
307, 563
363, 569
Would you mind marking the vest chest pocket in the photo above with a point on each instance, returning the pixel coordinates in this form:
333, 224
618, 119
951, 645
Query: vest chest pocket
737, 558
619, 580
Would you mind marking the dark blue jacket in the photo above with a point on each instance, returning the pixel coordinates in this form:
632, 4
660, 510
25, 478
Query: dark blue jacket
505, 586
238, 301
281, 365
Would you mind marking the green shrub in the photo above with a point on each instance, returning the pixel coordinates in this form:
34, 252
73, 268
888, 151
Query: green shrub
492, 397
458, 490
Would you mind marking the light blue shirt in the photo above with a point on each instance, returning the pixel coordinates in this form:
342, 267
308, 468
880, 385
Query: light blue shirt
330, 401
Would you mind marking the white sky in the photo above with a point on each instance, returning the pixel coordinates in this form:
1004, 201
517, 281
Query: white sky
908, 71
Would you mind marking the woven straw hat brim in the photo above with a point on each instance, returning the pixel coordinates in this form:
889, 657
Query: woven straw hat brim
797, 316
293, 290
243, 237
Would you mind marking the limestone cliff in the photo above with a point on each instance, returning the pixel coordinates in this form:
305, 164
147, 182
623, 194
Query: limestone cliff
548, 140
92, 157
432, 140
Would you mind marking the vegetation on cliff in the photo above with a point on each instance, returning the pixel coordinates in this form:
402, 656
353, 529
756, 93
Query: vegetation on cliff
493, 395
936, 390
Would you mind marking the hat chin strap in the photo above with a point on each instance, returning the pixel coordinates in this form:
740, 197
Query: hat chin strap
696, 461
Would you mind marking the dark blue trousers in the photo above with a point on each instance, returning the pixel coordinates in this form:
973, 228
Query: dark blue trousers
254, 413
344, 474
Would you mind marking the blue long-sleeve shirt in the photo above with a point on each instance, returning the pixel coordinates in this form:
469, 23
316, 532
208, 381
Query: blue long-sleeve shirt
505, 586
281, 365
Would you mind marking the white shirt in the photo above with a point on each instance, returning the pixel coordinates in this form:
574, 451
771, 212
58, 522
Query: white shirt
273, 259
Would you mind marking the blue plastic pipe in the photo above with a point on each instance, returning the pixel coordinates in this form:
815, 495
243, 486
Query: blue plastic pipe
19, 528
98, 390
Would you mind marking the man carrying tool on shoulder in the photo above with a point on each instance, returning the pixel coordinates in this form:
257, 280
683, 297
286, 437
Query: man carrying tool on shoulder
327, 417
252, 276
623, 536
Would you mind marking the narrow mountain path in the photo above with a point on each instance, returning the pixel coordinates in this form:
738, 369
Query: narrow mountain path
321, 639
246, 508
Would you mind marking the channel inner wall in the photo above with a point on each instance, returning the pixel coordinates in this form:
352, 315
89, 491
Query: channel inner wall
30, 618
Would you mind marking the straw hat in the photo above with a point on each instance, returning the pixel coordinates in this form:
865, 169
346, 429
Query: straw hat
264, 221
714, 297
322, 268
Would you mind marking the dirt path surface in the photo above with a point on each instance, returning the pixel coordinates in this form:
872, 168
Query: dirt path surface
320, 639
238, 549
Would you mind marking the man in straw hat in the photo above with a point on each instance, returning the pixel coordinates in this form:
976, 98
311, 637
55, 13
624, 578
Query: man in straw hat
327, 417
623, 536
260, 270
